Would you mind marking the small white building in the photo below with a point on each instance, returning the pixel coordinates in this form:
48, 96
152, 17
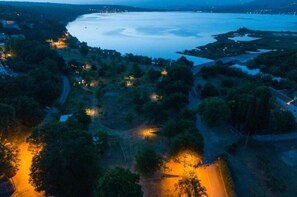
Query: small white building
7, 24
64, 118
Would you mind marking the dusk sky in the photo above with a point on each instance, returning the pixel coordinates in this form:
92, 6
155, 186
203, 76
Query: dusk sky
145, 2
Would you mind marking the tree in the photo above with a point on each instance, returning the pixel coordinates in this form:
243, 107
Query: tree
153, 75
285, 121
191, 187
8, 160
178, 79
136, 71
213, 111
83, 118
101, 141
175, 101
84, 49
185, 141
28, 111
181, 73
147, 161
7, 119
119, 182
67, 164
177, 126
209, 90
184, 62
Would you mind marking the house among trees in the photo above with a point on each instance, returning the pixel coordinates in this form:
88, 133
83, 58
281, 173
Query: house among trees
64, 118
3, 36
6, 187
7, 24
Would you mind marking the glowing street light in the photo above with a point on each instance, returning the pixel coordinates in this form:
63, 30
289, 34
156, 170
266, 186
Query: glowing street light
90, 112
148, 133
164, 72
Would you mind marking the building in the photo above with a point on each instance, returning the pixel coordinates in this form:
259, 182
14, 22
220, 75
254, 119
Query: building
7, 24
64, 118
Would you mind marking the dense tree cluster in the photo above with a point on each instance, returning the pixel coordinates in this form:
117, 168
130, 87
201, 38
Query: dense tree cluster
147, 161
119, 182
8, 159
66, 163
213, 111
37, 83
278, 63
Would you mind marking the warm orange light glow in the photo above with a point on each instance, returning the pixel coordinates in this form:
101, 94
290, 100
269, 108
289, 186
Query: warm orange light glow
129, 81
164, 72
155, 97
60, 44
94, 83
131, 78
129, 84
148, 133
91, 112
186, 164
21, 180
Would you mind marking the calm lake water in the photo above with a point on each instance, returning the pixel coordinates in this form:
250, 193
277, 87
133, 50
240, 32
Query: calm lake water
162, 34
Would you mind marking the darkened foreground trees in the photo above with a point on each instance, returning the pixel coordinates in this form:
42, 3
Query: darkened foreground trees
8, 160
119, 182
41, 65
147, 161
7, 119
67, 164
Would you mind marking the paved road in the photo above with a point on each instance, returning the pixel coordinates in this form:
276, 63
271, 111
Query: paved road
276, 138
62, 99
21, 180
65, 90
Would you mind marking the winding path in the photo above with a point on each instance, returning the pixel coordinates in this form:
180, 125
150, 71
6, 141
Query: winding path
61, 100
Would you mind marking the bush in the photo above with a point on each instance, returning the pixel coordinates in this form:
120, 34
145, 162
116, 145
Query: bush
185, 141
175, 127
119, 182
285, 121
213, 111
147, 161
209, 90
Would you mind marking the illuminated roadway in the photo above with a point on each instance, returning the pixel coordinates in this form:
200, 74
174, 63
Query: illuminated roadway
21, 180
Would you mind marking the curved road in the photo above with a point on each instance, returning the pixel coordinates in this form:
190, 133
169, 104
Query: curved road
21, 180
65, 90
62, 99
